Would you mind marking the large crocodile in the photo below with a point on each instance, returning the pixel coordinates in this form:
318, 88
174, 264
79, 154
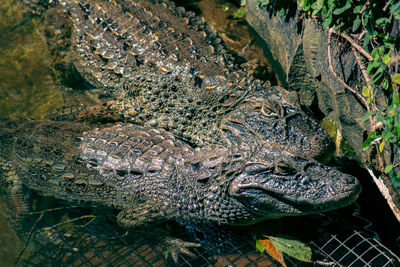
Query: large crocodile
151, 176
169, 69
129, 50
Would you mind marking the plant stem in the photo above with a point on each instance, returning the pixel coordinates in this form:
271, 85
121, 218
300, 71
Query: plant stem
354, 44
359, 96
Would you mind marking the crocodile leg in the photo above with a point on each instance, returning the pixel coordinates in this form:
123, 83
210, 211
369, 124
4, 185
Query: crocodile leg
113, 111
142, 215
176, 246
152, 212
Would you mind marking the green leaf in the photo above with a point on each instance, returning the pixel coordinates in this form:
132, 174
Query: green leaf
260, 247
367, 115
366, 40
385, 84
327, 22
371, 65
338, 26
356, 24
386, 58
371, 137
388, 168
317, 6
381, 146
357, 9
339, 11
282, 12
306, 5
382, 21
365, 91
396, 78
240, 13
387, 135
292, 248
396, 99
375, 53
377, 76
263, 3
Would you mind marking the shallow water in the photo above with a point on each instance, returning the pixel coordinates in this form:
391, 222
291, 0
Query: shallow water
26, 87
27, 90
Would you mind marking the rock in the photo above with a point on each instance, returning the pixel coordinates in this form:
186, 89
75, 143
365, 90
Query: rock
299, 49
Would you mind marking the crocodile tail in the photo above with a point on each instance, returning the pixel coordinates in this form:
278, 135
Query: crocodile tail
15, 194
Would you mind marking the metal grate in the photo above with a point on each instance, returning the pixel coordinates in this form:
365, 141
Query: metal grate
83, 249
77, 236
357, 250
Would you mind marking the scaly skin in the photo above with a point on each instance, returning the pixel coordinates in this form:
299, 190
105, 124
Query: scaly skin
168, 68
150, 176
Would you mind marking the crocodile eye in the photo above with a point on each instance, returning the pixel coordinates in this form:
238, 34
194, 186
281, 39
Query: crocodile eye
271, 108
282, 168
254, 169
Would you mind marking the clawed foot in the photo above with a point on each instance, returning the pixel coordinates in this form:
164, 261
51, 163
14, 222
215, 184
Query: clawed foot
176, 246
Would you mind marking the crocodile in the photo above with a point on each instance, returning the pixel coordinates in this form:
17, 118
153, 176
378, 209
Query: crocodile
167, 68
151, 176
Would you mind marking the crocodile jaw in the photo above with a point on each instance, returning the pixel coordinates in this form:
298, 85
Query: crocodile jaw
270, 196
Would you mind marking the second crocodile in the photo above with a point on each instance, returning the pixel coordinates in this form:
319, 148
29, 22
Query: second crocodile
168, 68
151, 176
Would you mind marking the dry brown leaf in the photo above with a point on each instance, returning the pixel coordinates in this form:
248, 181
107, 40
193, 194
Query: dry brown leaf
272, 251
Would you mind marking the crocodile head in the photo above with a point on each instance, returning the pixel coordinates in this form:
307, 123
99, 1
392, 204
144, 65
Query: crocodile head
275, 184
269, 117
266, 183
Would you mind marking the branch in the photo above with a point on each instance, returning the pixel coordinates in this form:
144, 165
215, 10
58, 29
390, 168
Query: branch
356, 93
386, 194
386, 6
353, 43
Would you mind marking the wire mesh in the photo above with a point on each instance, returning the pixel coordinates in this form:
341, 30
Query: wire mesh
69, 235
357, 250
84, 249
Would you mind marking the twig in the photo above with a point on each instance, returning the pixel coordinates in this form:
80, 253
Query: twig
386, 194
386, 6
353, 43
359, 96
397, 164
92, 218
361, 35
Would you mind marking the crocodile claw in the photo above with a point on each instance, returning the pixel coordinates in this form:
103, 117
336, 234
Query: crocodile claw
176, 246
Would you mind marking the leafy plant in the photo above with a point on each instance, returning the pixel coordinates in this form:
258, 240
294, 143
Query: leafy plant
366, 25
